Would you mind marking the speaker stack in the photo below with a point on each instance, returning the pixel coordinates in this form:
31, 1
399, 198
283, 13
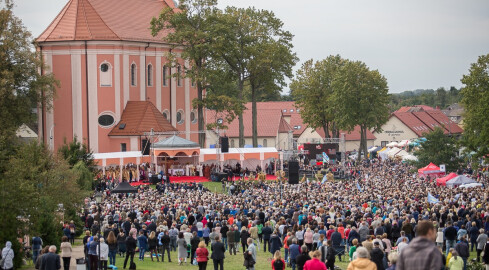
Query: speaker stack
293, 172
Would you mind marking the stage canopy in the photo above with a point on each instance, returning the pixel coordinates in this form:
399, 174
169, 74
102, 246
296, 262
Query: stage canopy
460, 180
175, 146
443, 180
124, 187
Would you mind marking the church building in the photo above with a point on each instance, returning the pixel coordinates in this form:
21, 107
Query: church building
115, 80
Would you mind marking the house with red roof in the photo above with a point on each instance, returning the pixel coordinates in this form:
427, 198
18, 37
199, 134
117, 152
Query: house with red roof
413, 123
116, 82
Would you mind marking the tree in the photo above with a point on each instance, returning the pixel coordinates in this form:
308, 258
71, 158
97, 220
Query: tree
360, 99
475, 99
441, 97
190, 28
439, 149
21, 84
313, 91
74, 152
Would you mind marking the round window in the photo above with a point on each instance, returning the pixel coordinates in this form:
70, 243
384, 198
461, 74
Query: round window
180, 117
104, 67
193, 119
106, 120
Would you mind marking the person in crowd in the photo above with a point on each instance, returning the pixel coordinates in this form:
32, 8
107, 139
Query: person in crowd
112, 243
66, 252
275, 242
481, 241
315, 263
92, 252
450, 236
194, 244
131, 244
330, 255
392, 258
36, 247
485, 258
153, 246
202, 255
8, 257
103, 253
182, 249
121, 242
218, 254
278, 263
455, 263
266, 234
250, 258
462, 249
143, 244
308, 238
244, 235
51, 260
421, 253
294, 251
231, 241
362, 262
377, 256
302, 258
165, 245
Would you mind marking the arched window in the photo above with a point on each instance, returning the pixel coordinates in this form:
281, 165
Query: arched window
232, 143
133, 74
264, 142
193, 117
165, 72
150, 75
179, 75
166, 114
180, 117
105, 74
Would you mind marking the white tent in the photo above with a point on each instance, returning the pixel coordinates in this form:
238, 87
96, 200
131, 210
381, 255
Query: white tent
401, 153
392, 144
471, 185
403, 143
392, 153
409, 157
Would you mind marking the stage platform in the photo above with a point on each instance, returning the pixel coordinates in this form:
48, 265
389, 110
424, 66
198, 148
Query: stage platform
196, 179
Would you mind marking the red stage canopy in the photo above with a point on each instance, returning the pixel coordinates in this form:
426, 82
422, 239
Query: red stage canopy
431, 169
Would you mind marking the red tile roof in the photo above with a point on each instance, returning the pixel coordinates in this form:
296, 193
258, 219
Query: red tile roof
415, 108
141, 117
427, 120
443, 119
350, 136
412, 122
270, 121
106, 20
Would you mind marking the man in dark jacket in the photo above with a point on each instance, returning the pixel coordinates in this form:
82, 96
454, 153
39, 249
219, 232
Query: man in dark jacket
377, 256
302, 258
218, 252
421, 253
294, 251
51, 260
353, 235
450, 236
462, 248
165, 246
266, 231
131, 244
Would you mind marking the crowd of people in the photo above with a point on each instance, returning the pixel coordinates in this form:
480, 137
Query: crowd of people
382, 219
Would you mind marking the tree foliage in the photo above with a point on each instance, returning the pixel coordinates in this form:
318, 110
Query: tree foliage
189, 29
441, 98
360, 99
439, 149
76, 151
475, 99
21, 84
312, 89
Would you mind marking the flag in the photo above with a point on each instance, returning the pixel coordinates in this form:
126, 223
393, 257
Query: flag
359, 188
432, 199
325, 158
324, 179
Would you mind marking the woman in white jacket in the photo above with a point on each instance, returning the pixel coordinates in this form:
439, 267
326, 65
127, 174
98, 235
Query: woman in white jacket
104, 253
439, 237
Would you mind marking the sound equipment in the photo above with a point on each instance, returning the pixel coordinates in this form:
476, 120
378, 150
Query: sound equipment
145, 147
154, 179
293, 172
222, 176
224, 144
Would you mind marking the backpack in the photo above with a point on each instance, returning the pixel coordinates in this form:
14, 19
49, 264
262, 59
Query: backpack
278, 265
132, 266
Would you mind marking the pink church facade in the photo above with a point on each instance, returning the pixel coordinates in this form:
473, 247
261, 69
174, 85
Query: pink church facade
103, 55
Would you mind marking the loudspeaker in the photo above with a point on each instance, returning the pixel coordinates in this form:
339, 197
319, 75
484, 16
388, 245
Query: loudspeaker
222, 176
224, 144
154, 179
293, 172
145, 147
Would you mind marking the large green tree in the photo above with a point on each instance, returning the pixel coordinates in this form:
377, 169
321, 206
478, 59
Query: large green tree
21, 84
360, 99
189, 28
475, 99
439, 149
312, 89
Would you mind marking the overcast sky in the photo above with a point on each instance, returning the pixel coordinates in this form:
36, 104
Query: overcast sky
415, 44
